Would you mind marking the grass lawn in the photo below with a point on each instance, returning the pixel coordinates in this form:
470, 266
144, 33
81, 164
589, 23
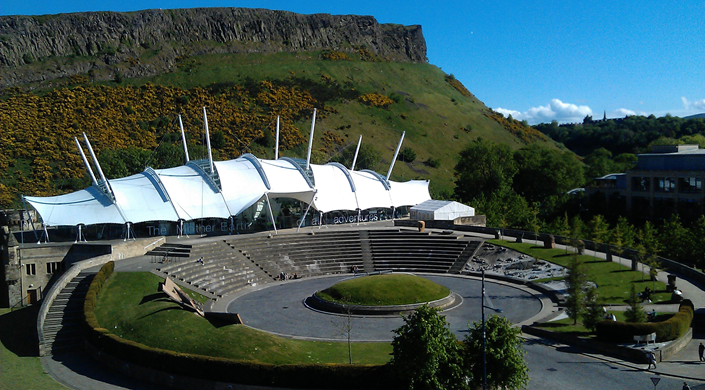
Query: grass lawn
613, 280
130, 306
381, 290
20, 367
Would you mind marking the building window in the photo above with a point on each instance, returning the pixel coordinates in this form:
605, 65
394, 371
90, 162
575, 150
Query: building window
31, 269
54, 267
665, 184
641, 184
690, 184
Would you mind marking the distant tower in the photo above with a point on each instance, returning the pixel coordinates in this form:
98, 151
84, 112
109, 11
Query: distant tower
604, 117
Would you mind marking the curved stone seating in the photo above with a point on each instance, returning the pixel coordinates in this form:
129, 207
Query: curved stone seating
240, 261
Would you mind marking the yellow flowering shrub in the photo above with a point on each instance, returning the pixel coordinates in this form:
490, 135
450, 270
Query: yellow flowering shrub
376, 100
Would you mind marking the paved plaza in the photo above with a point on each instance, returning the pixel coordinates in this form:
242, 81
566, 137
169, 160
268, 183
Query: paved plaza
279, 308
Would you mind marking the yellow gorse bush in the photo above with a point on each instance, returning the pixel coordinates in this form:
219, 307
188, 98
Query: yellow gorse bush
39, 129
376, 100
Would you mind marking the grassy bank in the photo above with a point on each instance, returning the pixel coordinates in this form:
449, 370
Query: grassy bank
20, 367
130, 307
381, 290
613, 280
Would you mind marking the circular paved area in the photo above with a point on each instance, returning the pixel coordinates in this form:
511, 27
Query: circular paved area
279, 308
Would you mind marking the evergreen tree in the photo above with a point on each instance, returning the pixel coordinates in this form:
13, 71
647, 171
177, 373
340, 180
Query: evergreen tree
635, 312
593, 309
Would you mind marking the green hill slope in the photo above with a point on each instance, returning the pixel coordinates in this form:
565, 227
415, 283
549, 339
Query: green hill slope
356, 93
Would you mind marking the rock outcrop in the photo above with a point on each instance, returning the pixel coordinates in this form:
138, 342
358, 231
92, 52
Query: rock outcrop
41, 48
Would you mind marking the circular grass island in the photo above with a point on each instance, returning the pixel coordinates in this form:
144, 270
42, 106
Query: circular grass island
381, 295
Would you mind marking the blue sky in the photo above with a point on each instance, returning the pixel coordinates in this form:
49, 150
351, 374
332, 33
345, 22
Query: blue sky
538, 61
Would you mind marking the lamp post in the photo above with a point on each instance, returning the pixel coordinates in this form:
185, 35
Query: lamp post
484, 338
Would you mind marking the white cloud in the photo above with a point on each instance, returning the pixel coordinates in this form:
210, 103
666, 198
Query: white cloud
698, 105
556, 110
505, 112
621, 112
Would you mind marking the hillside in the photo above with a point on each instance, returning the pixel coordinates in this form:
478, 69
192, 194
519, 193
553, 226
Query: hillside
364, 89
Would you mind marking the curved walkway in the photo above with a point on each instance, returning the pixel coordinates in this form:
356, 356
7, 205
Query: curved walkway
278, 308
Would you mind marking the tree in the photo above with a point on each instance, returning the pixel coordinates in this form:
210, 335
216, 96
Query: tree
484, 168
504, 208
543, 172
577, 228
599, 230
506, 367
346, 324
576, 281
598, 163
593, 309
426, 354
622, 237
675, 238
535, 223
635, 312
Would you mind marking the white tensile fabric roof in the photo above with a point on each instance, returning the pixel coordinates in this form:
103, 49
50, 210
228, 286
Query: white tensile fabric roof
440, 210
184, 193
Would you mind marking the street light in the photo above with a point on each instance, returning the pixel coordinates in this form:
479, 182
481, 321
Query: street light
484, 338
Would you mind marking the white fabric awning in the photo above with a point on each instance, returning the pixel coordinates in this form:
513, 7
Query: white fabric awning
186, 193
87, 207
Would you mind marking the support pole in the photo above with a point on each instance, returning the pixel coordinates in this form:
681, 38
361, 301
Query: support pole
85, 162
79, 234
97, 164
271, 216
127, 233
183, 138
359, 142
46, 235
208, 140
22, 226
276, 144
31, 222
484, 342
396, 153
303, 217
310, 140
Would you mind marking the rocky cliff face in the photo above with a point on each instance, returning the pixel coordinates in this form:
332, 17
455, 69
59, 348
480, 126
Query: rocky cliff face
42, 48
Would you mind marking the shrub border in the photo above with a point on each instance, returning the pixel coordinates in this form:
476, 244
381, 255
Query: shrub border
671, 329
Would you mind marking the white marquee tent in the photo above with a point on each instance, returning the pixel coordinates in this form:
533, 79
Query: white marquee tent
440, 210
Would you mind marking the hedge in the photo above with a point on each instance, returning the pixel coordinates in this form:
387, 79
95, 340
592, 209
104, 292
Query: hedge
331, 376
671, 329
